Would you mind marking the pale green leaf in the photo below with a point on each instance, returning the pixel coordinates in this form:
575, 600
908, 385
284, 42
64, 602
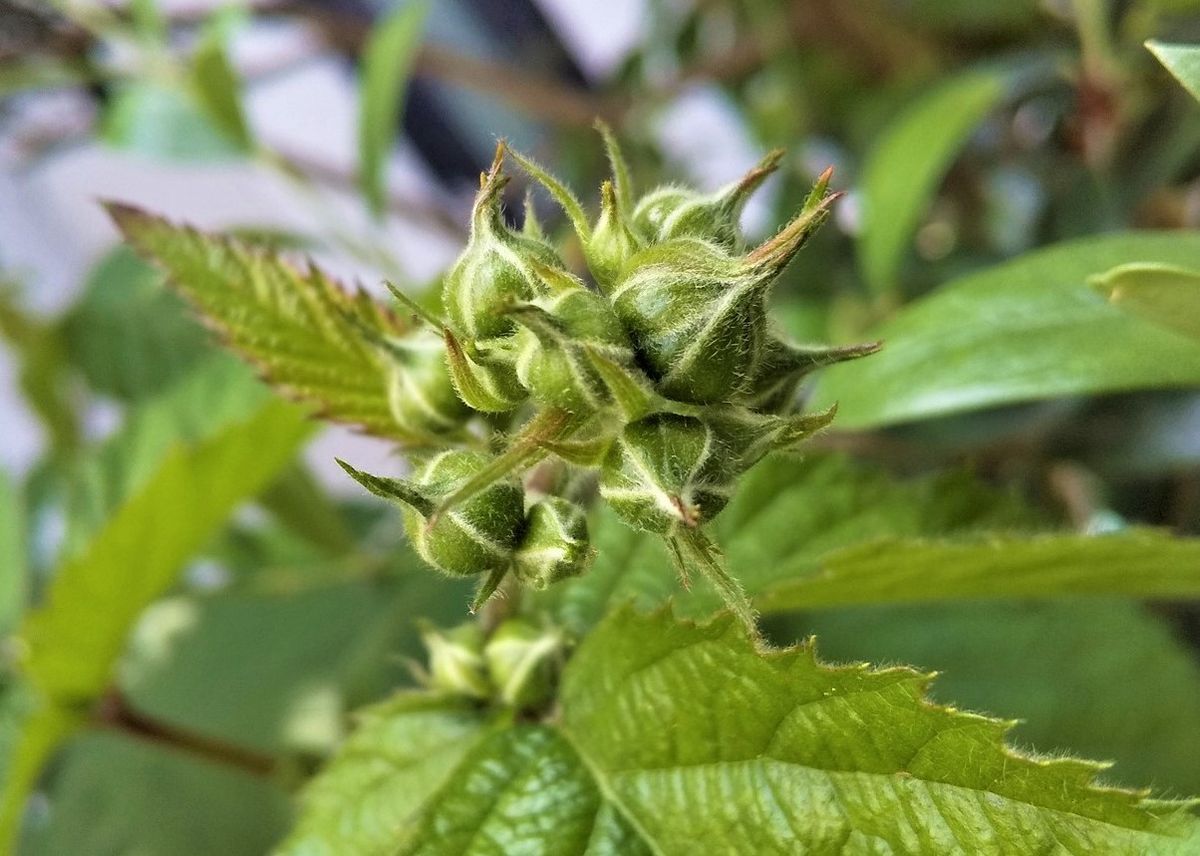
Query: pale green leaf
218, 89
786, 515
710, 745
165, 122
1027, 330
72, 639
1183, 61
1137, 563
33, 734
76, 634
1098, 677
128, 335
117, 796
1167, 295
12, 553
911, 157
291, 324
210, 398
387, 62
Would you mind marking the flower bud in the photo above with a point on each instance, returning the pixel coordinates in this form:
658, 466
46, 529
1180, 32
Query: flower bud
494, 268
611, 244
697, 314
552, 347
676, 212
521, 660
485, 375
556, 544
665, 471
477, 536
456, 663
421, 396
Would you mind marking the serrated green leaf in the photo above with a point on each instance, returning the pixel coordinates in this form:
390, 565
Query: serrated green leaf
128, 335
401, 754
387, 62
118, 796
1026, 330
1098, 677
1139, 563
675, 738
785, 516
290, 324
1183, 61
1167, 295
708, 744
908, 162
75, 636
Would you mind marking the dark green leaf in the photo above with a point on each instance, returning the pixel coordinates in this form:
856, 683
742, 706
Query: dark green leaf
128, 335
218, 89
115, 796
1136, 563
908, 162
786, 515
1027, 330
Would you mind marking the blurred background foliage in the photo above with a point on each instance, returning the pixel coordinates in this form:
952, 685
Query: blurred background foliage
212, 602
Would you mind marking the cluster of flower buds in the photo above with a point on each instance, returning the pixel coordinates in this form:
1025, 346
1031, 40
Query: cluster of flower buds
663, 373
514, 665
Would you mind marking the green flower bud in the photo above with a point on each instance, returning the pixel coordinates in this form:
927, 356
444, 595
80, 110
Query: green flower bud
484, 375
673, 212
494, 268
477, 536
772, 388
611, 244
665, 471
556, 544
552, 347
456, 662
697, 314
422, 398
521, 660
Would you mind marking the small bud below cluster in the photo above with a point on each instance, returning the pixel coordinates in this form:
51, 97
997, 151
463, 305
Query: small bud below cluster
456, 662
521, 660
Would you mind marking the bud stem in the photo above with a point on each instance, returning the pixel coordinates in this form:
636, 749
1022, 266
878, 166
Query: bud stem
692, 549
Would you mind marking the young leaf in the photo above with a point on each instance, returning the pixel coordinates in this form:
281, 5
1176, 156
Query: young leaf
388, 59
708, 744
1136, 563
1026, 330
1167, 295
1101, 677
291, 325
164, 121
1183, 61
904, 169
217, 88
